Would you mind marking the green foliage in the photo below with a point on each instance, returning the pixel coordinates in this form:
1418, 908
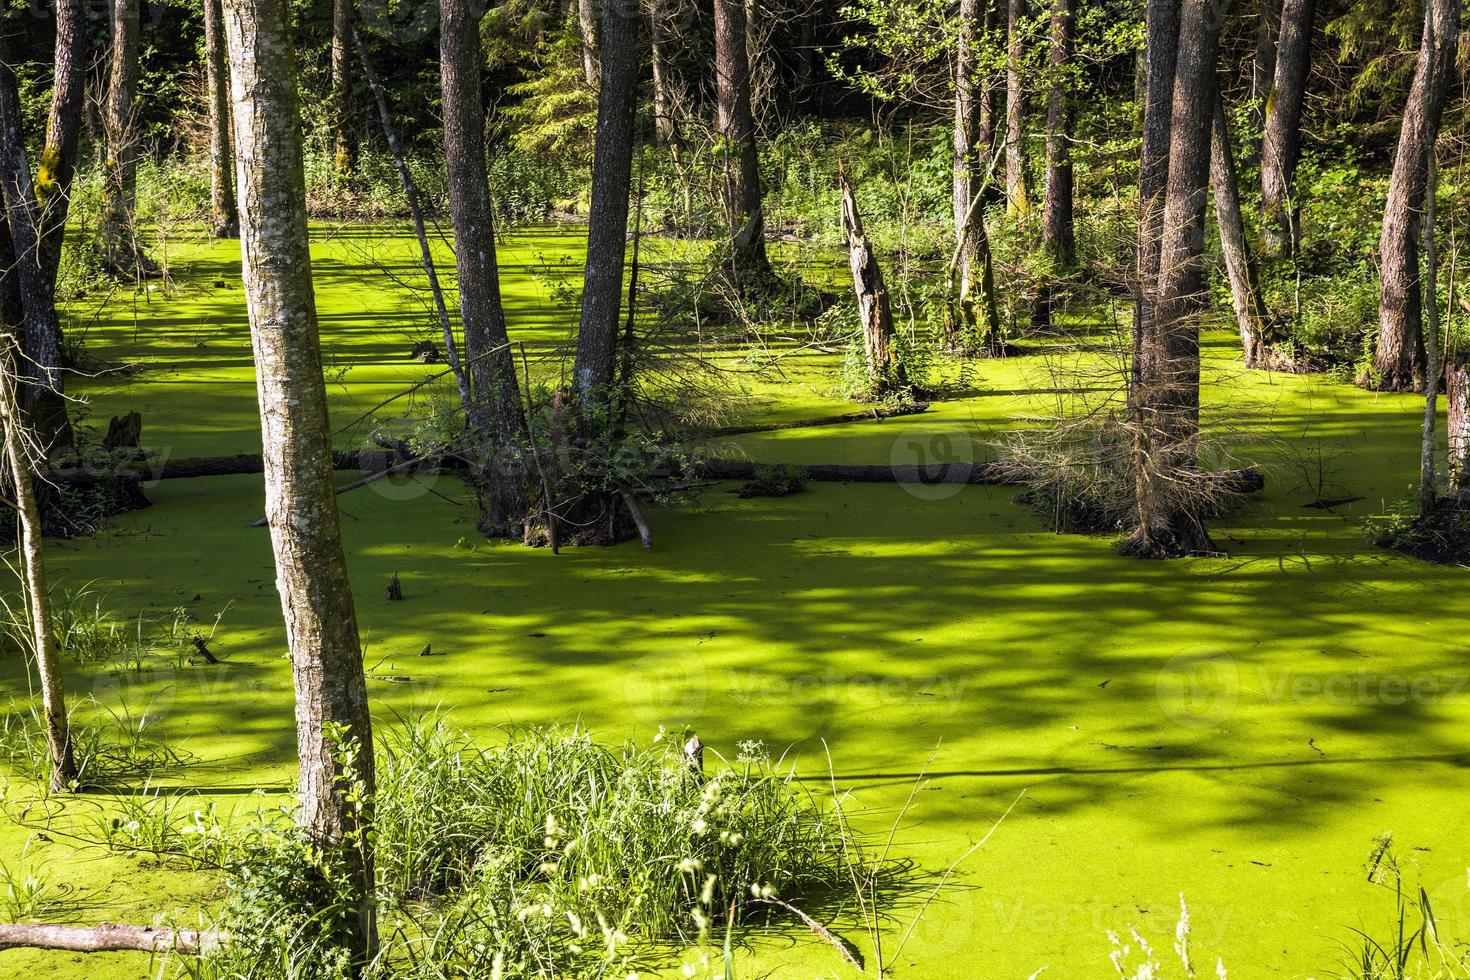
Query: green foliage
1442, 535
775, 481
552, 855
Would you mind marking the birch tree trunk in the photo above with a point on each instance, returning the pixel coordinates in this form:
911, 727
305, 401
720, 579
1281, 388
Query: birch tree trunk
1251, 316
224, 218
117, 240
1281, 144
1398, 364
1457, 421
974, 317
344, 138
488, 357
1166, 400
587, 23
63, 131
736, 127
1018, 193
33, 570
332, 718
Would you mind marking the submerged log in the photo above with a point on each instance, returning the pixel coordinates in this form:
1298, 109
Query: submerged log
108, 938
875, 414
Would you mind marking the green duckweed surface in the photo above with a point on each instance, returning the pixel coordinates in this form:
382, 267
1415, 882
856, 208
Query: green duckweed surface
1236, 730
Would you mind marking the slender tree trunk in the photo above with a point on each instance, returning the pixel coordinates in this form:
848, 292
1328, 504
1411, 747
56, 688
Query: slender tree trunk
1263, 71
1018, 192
663, 96
587, 24
344, 137
974, 316
225, 220
990, 84
117, 240
63, 131
1281, 144
594, 370
885, 372
737, 128
488, 356
1058, 225
332, 719
591, 517
1161, 51
1398, 364
1251, 316
1457, 422
33, 569
1166, 399
1427, 489
32, 297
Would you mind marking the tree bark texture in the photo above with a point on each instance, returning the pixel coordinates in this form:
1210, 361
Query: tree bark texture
117, 240
224, 218
58, 162
488, 356
1165, 403
1398, 363
45, 647
885, 371
344, 137
1018, 191
736, 126
974, 318
1281, 143
332, 716
1251, 316
1058, 223
1160, 53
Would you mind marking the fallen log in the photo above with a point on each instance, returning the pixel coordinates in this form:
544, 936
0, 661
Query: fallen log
740, 469
1246, 480
108, 938
875, 414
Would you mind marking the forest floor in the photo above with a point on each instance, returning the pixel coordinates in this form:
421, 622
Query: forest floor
1238, 731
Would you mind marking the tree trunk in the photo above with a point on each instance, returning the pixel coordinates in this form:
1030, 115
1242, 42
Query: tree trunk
333, 726
1398, 364
885, 372
225, 220
63, 131
1251, 316
488, 357
1281, 144
117, 240
664, 127
974, 316
1263, 70
1166, 401
33, 298
1058, 226
587, 24
1457, 418
1161, 51
33, 567
742, 161
344, 138
1018, 193
990, 84
607, 218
